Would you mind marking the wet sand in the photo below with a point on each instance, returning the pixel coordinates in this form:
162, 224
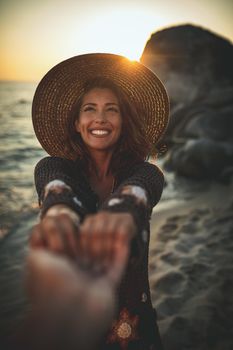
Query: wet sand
191, 270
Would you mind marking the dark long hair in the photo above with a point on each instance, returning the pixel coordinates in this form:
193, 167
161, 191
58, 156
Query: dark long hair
133, 144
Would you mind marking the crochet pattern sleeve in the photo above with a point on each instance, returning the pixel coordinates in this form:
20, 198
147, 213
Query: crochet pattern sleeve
56, 184
138, 194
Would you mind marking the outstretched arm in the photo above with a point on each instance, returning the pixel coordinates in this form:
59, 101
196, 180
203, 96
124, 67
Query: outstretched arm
137, 195
59, 182
61, 199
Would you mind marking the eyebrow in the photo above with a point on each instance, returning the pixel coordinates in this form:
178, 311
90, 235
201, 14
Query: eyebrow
94, 104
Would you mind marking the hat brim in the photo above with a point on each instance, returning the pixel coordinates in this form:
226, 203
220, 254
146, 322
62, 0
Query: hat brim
60, 88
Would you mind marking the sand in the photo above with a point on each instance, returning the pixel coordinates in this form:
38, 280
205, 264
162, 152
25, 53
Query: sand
191, 268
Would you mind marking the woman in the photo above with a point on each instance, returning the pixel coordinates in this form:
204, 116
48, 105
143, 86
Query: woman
98, 116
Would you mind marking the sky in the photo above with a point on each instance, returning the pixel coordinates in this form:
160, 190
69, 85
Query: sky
36, 35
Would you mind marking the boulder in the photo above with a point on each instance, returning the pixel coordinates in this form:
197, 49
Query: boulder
201, 159
190, 61
196, 68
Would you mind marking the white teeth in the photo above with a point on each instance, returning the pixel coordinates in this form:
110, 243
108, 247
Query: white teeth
100, 132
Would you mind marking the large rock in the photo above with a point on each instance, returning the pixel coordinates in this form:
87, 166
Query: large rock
190, 61
211, 117
196, 68
203, 159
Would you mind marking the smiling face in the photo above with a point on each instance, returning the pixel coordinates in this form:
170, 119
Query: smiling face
100, 121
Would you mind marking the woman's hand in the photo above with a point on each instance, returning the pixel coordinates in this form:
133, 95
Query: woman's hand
104, 241
100, 244
57, 231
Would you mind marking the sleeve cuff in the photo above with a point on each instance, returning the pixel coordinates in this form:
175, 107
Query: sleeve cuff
68, 199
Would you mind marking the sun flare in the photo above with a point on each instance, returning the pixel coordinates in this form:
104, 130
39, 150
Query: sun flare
113, 29
120, 32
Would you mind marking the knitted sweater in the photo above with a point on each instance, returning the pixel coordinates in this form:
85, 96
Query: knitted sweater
61, 181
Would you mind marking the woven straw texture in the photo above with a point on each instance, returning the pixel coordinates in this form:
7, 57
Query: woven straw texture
62, 85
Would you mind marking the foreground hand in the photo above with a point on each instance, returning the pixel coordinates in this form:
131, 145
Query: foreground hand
57, 231
104, 242
69, 309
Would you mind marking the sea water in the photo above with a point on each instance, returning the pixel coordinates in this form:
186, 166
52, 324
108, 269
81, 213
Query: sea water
19, 152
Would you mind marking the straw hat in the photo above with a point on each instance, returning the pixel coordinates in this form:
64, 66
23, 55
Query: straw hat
60, 88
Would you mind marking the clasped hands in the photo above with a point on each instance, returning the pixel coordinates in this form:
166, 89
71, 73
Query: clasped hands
100, 244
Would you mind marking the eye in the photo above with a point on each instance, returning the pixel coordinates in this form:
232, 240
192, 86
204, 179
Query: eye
88, 108
113, 109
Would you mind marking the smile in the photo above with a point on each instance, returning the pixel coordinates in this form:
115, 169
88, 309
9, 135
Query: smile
99, 132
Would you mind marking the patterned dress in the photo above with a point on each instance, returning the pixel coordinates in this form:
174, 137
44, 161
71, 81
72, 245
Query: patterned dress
61, 181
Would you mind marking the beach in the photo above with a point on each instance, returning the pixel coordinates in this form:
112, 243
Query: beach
191, 269
191, 261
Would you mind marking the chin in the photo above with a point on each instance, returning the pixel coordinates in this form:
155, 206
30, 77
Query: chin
101, 148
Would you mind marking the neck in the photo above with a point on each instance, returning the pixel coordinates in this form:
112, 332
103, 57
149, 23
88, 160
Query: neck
100, 165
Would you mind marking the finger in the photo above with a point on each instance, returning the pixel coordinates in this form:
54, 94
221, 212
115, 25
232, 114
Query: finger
69, 234
96, 247
108, 249
36, 239
84, 241
113, 234
101, 246
53, 234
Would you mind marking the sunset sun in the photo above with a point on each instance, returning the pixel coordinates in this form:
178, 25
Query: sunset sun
120, 32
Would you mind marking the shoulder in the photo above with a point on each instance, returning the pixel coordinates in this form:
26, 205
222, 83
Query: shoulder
147, 165
54, 160
146, 168
51, 163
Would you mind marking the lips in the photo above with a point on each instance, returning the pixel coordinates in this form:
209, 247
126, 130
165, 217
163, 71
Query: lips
100, 132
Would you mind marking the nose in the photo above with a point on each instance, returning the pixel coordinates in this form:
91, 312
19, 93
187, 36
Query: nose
101, 117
